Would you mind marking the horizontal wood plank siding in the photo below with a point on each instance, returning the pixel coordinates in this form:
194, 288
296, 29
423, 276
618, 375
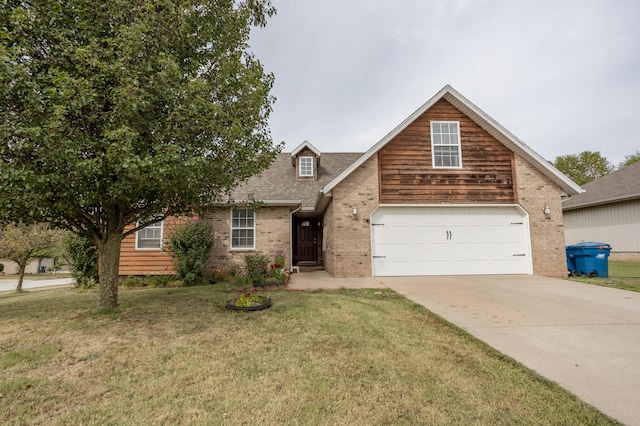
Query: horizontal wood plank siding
407, 175
147, 262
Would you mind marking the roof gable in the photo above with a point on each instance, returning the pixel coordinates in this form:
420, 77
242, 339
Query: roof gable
302, 146
621, 185
485, 122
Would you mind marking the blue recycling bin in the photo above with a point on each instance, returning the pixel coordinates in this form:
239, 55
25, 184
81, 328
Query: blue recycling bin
589, 258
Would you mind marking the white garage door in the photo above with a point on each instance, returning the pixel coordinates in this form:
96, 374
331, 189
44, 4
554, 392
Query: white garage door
450, 241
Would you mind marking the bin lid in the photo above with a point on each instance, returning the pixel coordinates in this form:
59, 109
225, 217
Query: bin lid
589, 244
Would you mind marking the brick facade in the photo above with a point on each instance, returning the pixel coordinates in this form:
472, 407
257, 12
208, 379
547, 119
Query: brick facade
534, 191
273, 231
348, 237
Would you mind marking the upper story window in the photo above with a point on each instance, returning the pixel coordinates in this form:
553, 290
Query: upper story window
150, 237
243, 229
445, 144
305, 168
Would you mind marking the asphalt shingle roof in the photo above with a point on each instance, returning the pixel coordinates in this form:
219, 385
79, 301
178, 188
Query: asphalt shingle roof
278, 182
623, 184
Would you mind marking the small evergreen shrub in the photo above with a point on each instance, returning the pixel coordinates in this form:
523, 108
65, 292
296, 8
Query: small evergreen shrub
191, 245
81, 255
1, 268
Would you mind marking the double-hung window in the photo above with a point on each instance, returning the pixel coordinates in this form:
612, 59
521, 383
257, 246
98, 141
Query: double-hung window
445, 144
149, 237
306, 166
243, 229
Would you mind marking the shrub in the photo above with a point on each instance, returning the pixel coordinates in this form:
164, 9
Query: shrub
191, 245
257, 266
1, 267
133, 281
82, 257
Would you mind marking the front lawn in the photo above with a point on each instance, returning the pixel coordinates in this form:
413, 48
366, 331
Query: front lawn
622, 275
176, 356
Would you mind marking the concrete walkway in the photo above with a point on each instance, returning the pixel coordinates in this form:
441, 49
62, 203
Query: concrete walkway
584, 337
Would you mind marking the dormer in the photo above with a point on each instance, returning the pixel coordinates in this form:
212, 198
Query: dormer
306, 159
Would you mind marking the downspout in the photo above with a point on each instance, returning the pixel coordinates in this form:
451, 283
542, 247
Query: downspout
291, 235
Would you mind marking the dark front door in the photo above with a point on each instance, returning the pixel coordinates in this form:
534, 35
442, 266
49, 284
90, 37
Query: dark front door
307, 242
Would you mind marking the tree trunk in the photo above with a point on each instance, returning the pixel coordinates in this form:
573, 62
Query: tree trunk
109, 254
22, 267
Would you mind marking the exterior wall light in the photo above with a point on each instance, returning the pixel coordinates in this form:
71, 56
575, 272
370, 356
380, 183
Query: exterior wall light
354, 210
547, 211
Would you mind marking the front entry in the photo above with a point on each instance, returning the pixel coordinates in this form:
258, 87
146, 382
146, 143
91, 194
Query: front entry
307, 240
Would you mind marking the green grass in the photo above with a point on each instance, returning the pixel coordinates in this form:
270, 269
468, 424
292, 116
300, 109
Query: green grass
176, 356
622, 275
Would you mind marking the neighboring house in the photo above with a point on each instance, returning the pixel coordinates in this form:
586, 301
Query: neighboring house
447, 192
608, 212
34, 267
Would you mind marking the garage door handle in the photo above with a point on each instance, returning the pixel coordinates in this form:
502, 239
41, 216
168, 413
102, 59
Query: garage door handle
520, 254
379, 257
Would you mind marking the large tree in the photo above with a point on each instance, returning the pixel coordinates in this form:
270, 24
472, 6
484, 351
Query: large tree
22, 243
584, 167
127, 111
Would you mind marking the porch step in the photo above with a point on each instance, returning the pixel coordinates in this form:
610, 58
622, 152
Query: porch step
310, 268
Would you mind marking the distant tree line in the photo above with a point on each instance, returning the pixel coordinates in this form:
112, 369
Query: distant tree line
587, 166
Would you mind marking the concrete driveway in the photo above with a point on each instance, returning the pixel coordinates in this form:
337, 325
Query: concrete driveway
584, 337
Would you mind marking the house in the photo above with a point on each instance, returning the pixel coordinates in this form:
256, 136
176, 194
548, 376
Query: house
449, 191
608, 212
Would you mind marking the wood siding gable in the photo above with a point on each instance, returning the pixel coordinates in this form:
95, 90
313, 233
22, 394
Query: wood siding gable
408, 177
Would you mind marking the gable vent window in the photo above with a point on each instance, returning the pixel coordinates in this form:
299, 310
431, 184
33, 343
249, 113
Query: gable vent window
445, 144
306, 166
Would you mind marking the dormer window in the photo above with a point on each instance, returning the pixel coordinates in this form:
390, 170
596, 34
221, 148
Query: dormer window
306, 160
305, 168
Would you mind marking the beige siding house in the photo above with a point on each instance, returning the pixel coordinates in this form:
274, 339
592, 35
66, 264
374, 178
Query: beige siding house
608, 212
447, 192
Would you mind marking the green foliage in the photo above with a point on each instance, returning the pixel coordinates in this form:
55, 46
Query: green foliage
1, 267
630, 159
249, 298
256, 266
82, 257
191, 244
584, 167
279, 259
158, 281
113, 113
22, 243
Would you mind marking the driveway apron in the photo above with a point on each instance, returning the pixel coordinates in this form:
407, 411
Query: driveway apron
584, 337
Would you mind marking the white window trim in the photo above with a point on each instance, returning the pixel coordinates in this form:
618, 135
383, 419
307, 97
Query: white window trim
231, 229
459, 145
161, 236
300, 170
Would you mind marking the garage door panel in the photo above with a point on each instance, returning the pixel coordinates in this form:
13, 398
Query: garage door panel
449, 241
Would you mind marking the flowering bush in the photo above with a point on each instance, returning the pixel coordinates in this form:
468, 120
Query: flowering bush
191, 245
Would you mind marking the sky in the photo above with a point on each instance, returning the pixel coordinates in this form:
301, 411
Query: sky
563, 76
